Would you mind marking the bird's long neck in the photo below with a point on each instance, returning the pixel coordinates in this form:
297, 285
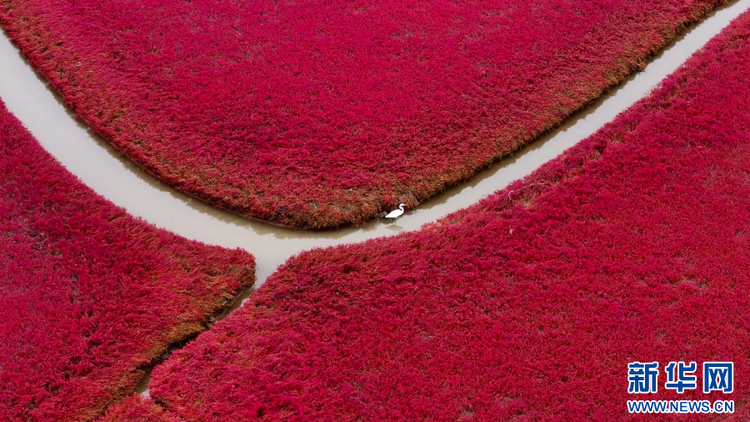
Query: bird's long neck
401, 207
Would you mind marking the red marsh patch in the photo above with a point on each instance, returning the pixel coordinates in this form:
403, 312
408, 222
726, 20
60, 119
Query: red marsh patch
632, 246
90, 296
317, 114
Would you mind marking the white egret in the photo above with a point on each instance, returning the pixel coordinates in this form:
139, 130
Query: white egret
396, 213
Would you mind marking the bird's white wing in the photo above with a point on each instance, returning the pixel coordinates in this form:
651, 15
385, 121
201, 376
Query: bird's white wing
394, 214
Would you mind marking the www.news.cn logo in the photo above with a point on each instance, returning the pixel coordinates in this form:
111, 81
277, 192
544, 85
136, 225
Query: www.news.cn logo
643, 378
717, 376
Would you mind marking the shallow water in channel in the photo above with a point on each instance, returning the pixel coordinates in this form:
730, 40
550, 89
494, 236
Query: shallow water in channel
113, 176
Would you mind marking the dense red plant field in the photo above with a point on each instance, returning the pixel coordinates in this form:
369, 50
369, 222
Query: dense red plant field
90, 296
137, 409
322, 113
632, 246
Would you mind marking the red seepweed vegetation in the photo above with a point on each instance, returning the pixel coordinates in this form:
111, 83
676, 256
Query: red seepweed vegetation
633, 246
318, 114
138, 409
90, 296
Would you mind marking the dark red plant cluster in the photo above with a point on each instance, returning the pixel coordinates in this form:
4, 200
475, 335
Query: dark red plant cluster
632, 246
137, 409
322, 113
90, 296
